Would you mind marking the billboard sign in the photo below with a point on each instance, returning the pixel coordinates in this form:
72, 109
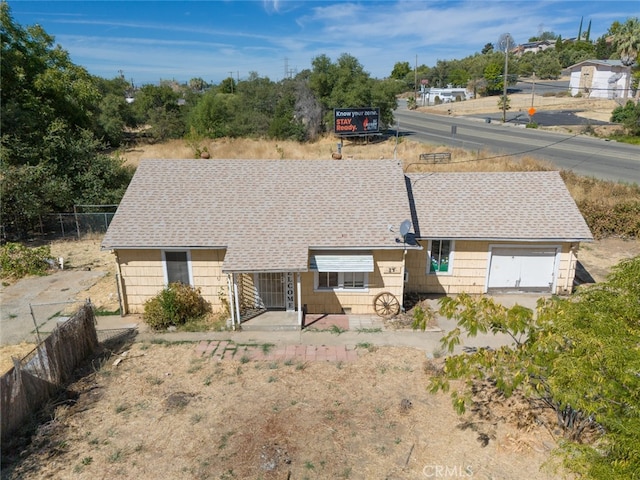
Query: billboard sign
356, 121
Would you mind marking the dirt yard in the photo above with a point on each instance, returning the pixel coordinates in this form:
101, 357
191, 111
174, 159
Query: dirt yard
167, 413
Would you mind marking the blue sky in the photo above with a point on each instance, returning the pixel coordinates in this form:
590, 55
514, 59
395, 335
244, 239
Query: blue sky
153, 40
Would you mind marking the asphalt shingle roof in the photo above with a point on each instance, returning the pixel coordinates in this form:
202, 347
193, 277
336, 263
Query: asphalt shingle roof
528, 206
266, 213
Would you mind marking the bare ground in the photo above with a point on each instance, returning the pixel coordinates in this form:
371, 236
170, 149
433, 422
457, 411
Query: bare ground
166, 413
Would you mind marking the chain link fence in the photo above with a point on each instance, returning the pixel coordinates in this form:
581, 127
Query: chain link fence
84, 220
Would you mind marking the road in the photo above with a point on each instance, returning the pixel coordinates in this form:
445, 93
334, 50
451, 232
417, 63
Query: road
584, 155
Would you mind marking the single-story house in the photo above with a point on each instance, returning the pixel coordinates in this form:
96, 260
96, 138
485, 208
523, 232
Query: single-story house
435, 96
338, 236
534, 47
600, 79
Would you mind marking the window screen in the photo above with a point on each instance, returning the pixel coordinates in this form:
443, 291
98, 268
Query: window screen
177, 267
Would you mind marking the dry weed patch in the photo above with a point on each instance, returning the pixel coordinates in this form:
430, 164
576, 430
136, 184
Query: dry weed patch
371, 418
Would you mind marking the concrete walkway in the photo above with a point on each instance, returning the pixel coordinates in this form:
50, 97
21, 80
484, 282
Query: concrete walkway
317, 344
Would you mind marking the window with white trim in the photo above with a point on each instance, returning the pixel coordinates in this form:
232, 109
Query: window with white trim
440, 256
177, 267
341, 280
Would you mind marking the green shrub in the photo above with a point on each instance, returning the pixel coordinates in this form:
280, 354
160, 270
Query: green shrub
17, 261
174, 306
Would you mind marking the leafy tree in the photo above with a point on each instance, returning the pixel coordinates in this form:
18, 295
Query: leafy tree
228, 85
400, 70
39, 86
284, 124
493, 78
488, 48
578, 355
114, 113
546, 64
438, 75
459, 77
603, 48
571, 53
210, 117
157, 106
629, 116
345, 84
50, 121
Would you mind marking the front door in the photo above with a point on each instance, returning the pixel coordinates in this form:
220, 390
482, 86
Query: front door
270, 290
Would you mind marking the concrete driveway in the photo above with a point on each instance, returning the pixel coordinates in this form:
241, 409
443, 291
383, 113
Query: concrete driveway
48, 296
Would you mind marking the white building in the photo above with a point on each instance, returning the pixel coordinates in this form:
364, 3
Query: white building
600, 79
435, 96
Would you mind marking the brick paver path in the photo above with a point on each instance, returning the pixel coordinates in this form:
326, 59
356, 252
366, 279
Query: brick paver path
223, 350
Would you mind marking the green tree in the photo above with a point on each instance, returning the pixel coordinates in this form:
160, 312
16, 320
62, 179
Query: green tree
488, 48
284, 124
493, 78
546, 64
400, 70
210, 117
629, 116
345, 84
50, 122
579, 356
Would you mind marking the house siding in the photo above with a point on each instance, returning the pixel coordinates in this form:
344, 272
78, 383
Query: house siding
470, 263
386, 277
143, 276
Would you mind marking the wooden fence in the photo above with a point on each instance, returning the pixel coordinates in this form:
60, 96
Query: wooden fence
37, 377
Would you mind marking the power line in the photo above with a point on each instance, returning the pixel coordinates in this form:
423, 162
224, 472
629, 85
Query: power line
505, 154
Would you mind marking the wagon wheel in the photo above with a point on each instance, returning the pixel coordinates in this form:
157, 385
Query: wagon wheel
386, 305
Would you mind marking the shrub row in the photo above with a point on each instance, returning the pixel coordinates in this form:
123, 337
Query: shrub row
17, 260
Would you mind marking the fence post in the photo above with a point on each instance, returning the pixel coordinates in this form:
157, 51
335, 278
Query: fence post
75, 215
35, 323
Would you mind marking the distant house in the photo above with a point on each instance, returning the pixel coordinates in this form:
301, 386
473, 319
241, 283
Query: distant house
338, 236
600, 79
436, 96
533, 47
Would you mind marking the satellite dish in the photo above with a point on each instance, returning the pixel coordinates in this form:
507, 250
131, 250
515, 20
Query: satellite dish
405, 227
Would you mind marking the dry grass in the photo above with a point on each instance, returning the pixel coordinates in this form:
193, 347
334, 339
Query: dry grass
165, 413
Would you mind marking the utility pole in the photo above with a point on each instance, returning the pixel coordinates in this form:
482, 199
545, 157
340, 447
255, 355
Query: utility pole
231, 78
504, 82
533, 88
415, 80
504, 43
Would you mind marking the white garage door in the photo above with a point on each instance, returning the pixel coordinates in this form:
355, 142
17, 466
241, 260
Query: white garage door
522, 269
